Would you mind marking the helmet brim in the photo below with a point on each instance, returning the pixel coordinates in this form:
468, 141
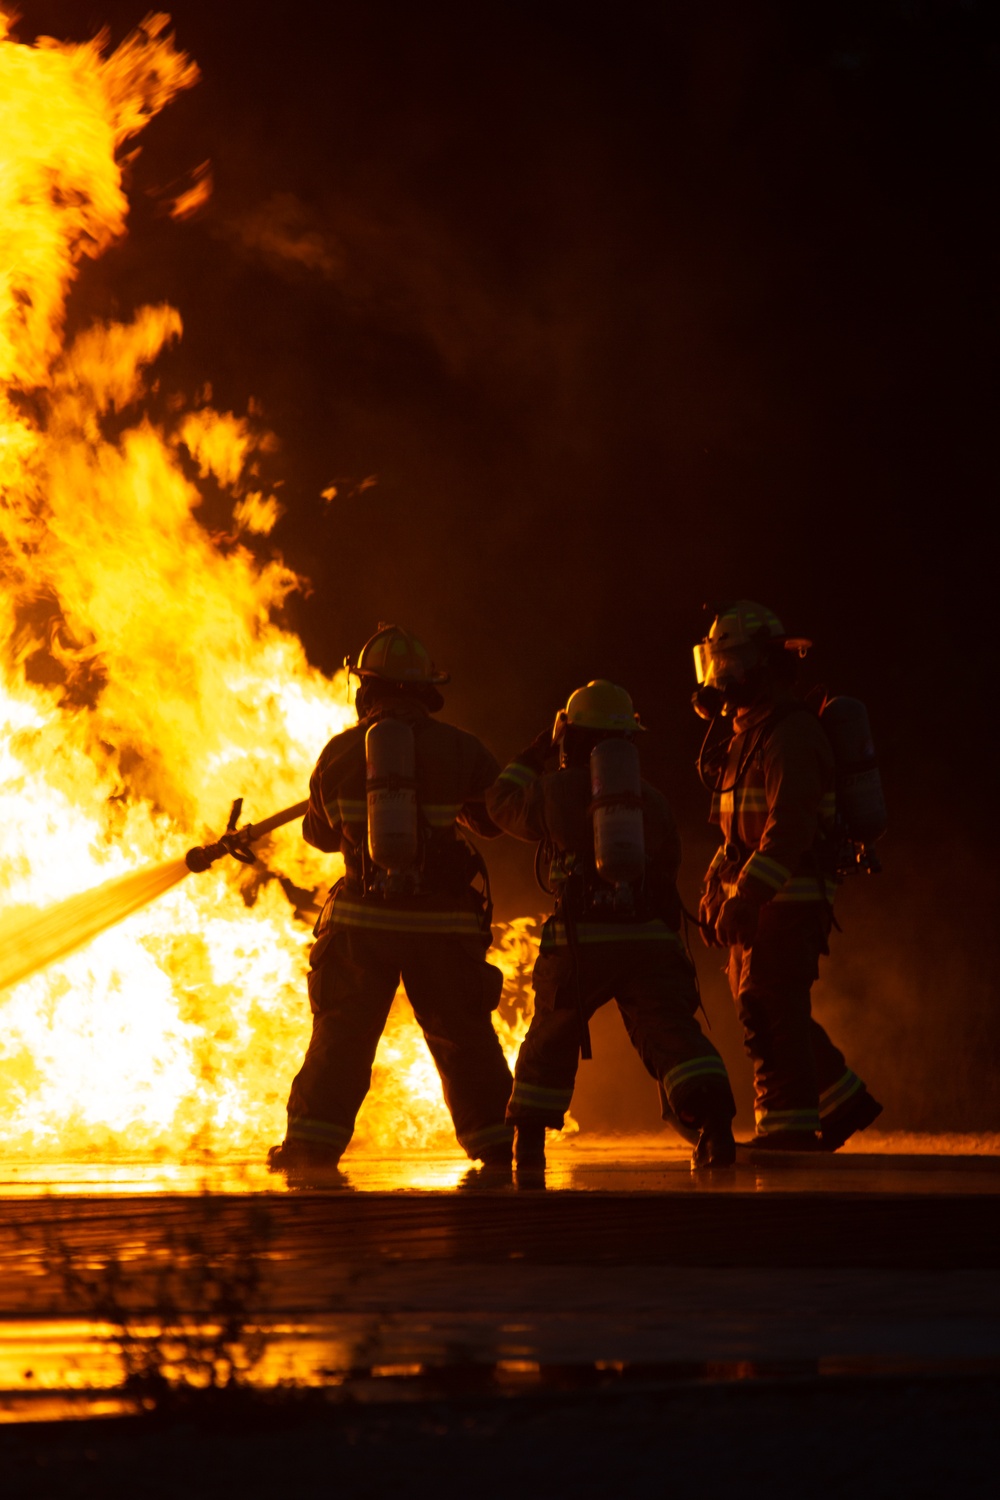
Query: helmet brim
436, 679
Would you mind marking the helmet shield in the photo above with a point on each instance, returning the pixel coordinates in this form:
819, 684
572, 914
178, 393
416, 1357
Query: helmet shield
714, 667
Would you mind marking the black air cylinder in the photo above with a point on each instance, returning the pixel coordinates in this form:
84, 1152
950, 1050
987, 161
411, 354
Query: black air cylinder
860, 799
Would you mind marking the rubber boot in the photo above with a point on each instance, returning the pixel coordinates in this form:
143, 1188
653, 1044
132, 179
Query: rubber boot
787, 1140
856, 1114
302, 1156
716, 1147
495, 1165
529, 1148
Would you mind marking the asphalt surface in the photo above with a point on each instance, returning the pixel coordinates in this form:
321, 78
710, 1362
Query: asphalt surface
847, 1307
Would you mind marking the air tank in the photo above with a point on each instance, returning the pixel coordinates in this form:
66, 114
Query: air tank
860, 800
616, 809
391, 788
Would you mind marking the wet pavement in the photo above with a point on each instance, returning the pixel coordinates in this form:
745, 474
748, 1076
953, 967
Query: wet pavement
645, 1164
404, 1277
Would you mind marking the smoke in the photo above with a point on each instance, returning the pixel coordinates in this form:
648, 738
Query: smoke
284, 233
910, 989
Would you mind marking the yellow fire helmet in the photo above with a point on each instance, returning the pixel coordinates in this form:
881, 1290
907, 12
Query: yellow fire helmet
396, 656
599, 705
742, 623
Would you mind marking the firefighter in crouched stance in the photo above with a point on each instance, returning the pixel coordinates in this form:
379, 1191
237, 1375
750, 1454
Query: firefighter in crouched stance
388, 794
609, 846
769, 888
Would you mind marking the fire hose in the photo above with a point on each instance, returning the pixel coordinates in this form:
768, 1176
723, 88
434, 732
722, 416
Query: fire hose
237, 841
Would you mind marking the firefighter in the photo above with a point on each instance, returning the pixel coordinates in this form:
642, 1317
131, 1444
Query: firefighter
769, 888
423, 919
605, 942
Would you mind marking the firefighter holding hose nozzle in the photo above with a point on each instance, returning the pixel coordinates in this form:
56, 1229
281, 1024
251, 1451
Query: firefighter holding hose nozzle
608, 851
769, 888
389, 794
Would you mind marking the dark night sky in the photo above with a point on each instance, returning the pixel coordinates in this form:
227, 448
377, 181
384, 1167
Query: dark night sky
629, 308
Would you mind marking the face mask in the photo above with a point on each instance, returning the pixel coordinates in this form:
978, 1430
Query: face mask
722, 682
708, 701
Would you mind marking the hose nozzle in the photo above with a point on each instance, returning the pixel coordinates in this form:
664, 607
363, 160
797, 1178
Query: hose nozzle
235, 841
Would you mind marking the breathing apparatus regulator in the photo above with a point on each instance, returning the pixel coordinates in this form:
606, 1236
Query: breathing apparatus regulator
392, 662
744, 646
604, 710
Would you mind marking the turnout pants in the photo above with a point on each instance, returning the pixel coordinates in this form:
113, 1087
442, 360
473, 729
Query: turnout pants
800, 1077
654, 987
452, 989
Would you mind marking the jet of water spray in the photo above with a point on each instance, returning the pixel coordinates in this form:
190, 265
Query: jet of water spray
31, 941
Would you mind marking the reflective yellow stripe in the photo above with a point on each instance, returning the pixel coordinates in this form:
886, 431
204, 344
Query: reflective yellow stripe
750, 799
845, 1088
799, 888
768, 871
440, 814
519, 774
374, 917
541, 1098
770, 1120
743, 799
352, 809
695, 1067
554, 933
753, 799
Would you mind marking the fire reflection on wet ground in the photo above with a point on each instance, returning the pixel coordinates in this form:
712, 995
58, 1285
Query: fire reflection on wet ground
406, 1280
632, 1164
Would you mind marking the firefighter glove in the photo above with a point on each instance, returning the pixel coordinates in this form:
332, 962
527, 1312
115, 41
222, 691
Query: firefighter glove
538, 751
737, 923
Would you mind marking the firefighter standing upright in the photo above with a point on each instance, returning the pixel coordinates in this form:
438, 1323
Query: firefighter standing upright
609, 845
388, 793
769, 889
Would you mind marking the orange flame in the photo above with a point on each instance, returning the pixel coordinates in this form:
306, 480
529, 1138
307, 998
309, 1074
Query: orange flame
144, 682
